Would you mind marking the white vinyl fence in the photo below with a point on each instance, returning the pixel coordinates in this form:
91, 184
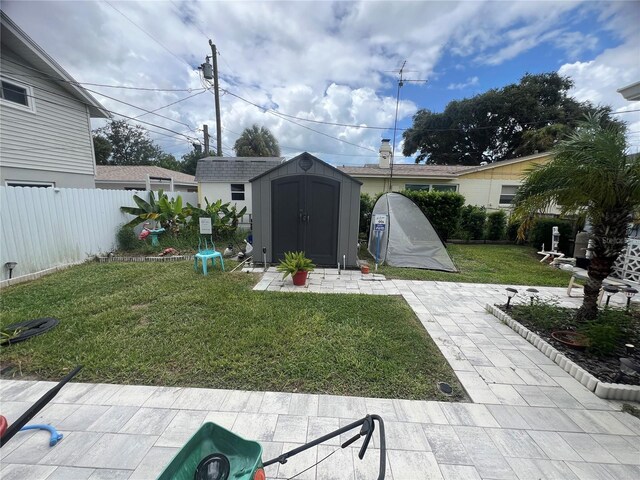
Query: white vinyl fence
627, 266
43, 228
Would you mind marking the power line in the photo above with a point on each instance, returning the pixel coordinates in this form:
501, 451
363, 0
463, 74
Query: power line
273, 112
40, 99
149, 35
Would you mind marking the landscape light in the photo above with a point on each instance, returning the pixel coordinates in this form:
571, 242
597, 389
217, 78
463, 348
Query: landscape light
629, 292
532, 294
511, 292
609, 292
10, 266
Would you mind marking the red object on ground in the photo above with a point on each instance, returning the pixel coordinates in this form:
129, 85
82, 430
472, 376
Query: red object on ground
299, 278
3, 425
364, 269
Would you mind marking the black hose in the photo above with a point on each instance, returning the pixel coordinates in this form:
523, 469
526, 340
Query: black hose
27, 329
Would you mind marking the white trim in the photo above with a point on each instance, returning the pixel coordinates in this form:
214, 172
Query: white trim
28, 183
31, 107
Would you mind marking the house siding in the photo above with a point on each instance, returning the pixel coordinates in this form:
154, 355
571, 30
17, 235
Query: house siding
54, 139
214, 191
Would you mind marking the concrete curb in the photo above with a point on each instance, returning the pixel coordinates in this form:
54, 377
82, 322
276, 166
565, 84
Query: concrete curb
611, 391
175, 258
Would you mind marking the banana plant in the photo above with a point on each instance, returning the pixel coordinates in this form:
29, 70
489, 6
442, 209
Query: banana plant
224, 216
145, 211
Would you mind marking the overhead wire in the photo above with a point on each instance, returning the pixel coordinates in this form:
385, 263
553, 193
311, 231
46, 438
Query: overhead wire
149, 35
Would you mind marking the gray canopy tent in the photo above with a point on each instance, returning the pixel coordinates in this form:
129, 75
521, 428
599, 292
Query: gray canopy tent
409, 239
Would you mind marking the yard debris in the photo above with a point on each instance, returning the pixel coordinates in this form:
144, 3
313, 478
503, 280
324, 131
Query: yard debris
168, 252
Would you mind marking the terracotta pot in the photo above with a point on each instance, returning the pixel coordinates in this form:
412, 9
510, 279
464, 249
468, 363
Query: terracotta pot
571, 339
299, 278
364, 269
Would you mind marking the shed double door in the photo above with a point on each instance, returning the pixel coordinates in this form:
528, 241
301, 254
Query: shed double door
305, 211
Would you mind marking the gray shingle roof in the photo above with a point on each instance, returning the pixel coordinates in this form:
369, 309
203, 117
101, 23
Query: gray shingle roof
138, 173
233, 169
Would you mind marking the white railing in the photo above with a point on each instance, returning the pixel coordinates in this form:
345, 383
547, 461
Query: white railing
42, 228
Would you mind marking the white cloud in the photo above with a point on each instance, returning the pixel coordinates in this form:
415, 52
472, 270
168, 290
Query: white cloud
471, 82
324, 61
598, 80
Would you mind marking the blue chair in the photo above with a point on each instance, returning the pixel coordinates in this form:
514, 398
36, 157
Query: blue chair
204, 254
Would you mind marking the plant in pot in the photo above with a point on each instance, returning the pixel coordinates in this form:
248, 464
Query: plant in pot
296, 265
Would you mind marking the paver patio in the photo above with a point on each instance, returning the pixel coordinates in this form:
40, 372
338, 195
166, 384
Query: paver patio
529, 419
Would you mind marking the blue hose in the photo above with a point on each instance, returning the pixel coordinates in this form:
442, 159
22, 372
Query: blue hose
55, 436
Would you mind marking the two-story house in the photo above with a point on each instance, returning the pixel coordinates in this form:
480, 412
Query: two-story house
45, 117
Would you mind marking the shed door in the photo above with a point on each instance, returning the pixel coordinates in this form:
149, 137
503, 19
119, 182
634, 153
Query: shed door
305, 211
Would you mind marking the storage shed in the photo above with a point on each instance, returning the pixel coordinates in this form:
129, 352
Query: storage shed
307, 205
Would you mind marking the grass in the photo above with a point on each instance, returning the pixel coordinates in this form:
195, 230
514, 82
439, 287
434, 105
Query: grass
164, 324
504, 264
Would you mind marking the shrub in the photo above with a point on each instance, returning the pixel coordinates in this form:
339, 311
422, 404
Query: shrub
441, 208
496, 225
542, 230
366, 207
472, 220
126, 238
512, 231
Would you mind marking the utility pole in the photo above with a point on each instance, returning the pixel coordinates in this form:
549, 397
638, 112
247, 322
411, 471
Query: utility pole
206, 140
401, 82
216, 93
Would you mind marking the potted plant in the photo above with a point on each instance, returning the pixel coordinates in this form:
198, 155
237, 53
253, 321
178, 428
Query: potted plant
296, 265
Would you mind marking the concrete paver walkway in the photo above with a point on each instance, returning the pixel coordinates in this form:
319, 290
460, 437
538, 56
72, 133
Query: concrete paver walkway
529, 419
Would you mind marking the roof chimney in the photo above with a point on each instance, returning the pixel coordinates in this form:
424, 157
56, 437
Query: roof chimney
385, 153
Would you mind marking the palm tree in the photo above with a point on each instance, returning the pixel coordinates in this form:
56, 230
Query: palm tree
590, 175
257, 142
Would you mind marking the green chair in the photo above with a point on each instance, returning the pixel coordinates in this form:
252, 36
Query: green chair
206, 250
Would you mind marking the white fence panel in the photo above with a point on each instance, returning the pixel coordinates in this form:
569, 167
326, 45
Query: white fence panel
42, 228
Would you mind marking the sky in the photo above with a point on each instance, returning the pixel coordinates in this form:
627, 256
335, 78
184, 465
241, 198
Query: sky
333, 62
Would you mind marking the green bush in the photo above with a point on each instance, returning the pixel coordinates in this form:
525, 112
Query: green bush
472, 220
366, 207
608, 330
542, 230
512, 230
126, 238
496, 225
441, 208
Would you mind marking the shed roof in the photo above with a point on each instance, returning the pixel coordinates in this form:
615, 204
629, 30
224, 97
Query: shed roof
138, 173
307, 155
234, 169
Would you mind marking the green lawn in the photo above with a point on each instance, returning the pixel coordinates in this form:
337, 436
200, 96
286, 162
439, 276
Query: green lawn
163, 324
506, 264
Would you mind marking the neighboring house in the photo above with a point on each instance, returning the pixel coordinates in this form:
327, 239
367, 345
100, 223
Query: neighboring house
227, 178
492, 185
631, 92
45, 118
143, 177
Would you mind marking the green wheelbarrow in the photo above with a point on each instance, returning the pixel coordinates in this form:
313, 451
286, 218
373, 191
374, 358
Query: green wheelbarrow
215, 453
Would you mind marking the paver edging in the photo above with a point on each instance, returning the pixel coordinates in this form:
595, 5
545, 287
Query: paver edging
611, 391
174, 258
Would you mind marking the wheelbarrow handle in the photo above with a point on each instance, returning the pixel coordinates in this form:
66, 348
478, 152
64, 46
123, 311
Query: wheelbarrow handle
368, 426
36, 407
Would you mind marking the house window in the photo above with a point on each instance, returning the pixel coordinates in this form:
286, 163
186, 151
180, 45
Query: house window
10, 183
415, 186
16, 94
444, 188
507, 194
237, 191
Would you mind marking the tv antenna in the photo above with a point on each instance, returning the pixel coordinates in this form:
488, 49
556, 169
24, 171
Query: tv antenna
401, 82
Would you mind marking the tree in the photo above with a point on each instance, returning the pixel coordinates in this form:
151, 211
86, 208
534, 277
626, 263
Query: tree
168, 161
590, 175
190, 160
257, 142
130, 144
102, 149
516, 120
